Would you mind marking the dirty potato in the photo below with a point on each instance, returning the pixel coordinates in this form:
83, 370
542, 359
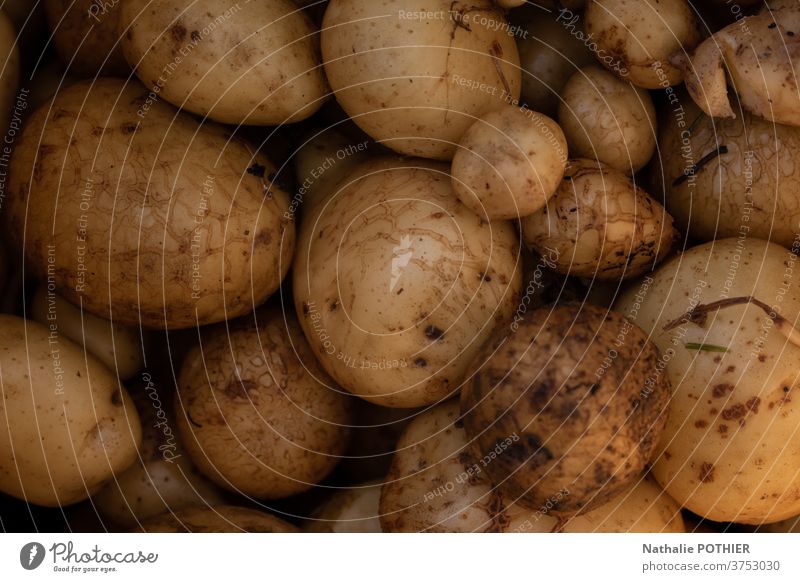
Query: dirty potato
600, 225
257, 414
509, 163
217, 519
147, 218
568, 402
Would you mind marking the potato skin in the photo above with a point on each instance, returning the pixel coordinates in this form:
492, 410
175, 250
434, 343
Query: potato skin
753, 185
573, 388
66, 425
217, 519
156, 219
509, 163
600, 225
397, 284
731, 444
608, 119
408, 82
85, 36
641, 34
352, 510
257, 414
254, 63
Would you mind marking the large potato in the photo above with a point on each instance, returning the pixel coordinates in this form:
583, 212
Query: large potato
66, 424
722, 177
397, 284
256, 412
217, 519
414, 75
352, 510
567, 407
608, 119
731, 446
85, 36
255, 63
140, 214
637, 38
600, 225
9, 78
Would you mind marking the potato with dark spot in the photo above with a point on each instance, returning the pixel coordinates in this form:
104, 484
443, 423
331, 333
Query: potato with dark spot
397, 284
252, 63
256, 412
140, 214
722, 314
600, 225
353, 510
218, 519
85, 36
569, 402
66, 424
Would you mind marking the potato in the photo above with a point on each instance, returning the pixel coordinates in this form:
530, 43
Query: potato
397, 284
731, 445
140, 214
162, 479
600, 225
623, 137
352, 510
414, 75
85, 36
218, 519
9, 75
118, 347
635, 39
509, 163
759, 56
567, 407
549, 53
437, 484
721, 177
254, 63
66, 424
257, 414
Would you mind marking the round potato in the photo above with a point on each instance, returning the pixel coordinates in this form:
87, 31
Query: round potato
254, 63
568, 407
414, 75
731, 445
607, 119
257, 414
352, 510
85, 36
635, 39
120, 348
397, 284
600, 225
218, 519
66, 424
141, 215
509, 163
721, 177
9, 75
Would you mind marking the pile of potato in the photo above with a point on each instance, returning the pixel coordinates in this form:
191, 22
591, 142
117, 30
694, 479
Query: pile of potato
399, 266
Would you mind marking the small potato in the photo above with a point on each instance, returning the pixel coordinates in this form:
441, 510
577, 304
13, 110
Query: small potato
758, 55
66, 424
397, 284
253, 63
256, 412
731, 448
608, 119
636, 38
509, 163
352, 510
600, 225
218, 519
85, 36
118, 347
414, 74
9, 74
567, 407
